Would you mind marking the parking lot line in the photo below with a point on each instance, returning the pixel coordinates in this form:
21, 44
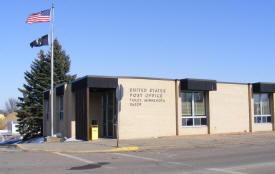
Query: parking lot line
225, 171
139, 157
249, 166
74, 157
79, 159
152, 159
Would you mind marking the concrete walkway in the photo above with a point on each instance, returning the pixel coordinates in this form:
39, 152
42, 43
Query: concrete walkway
185, 142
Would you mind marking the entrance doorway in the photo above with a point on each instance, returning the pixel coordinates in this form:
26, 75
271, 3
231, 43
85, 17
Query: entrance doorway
103, 111
108, 114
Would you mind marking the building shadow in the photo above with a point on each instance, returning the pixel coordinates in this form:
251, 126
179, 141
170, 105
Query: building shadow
89, 166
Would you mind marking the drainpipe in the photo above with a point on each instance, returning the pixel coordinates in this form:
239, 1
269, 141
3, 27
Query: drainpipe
273, 110
176, 106
249, 107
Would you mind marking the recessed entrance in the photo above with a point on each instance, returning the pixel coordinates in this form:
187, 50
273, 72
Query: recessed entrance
94, 103
103, 111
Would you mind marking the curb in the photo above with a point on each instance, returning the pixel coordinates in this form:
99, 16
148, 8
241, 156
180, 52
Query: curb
121, 149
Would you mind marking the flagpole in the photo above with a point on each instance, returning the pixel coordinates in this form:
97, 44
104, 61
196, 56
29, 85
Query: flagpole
52, 63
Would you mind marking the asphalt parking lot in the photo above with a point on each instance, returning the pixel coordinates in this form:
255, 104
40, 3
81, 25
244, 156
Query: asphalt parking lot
250, 157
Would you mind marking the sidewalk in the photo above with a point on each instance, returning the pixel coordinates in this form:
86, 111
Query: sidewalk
184, 142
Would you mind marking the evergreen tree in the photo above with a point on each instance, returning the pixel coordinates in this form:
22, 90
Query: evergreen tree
30, 112
62, 64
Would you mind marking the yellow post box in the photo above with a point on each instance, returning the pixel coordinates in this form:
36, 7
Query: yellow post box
93, 132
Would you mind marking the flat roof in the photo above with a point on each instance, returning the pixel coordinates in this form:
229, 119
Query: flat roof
150, 78
237, 83
124, 77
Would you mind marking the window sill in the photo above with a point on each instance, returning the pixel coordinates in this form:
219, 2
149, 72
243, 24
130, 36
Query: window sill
262, 123
194, 126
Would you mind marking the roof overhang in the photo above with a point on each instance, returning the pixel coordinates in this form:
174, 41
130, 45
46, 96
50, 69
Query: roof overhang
198, 84
94, 82
263, 87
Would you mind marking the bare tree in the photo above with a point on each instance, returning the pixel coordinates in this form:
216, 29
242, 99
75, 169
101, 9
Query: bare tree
2, 112
11, 105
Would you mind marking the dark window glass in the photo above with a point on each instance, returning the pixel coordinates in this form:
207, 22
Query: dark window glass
47, 109
258, 119
269, 119
61, 117
203, 121
184, 122
264, 119
197, 121
189, 121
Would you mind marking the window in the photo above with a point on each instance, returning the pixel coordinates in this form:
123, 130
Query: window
262, 111
47, 109
193, 109
61, 112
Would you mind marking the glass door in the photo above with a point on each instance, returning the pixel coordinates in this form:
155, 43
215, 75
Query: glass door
108, 112
103, 116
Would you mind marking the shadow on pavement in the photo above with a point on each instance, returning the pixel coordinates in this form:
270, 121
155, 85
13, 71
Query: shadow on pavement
89, 166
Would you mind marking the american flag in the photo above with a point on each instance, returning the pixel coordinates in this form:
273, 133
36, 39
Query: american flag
43, 16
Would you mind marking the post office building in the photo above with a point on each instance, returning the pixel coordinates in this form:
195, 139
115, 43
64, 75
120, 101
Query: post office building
134, 107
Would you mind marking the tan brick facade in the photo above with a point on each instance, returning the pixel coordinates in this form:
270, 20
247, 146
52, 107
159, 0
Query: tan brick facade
153, 108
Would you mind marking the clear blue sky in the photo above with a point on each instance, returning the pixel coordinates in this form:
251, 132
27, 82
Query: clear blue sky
225, 40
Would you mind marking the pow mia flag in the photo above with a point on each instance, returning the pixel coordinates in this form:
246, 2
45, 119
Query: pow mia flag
40, 41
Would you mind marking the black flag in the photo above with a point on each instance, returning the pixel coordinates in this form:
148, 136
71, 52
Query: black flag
40, 41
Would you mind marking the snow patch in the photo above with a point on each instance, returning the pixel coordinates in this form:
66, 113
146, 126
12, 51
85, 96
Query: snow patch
72, 140
12, 141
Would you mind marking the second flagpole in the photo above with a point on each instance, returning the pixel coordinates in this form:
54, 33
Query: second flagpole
52, 70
